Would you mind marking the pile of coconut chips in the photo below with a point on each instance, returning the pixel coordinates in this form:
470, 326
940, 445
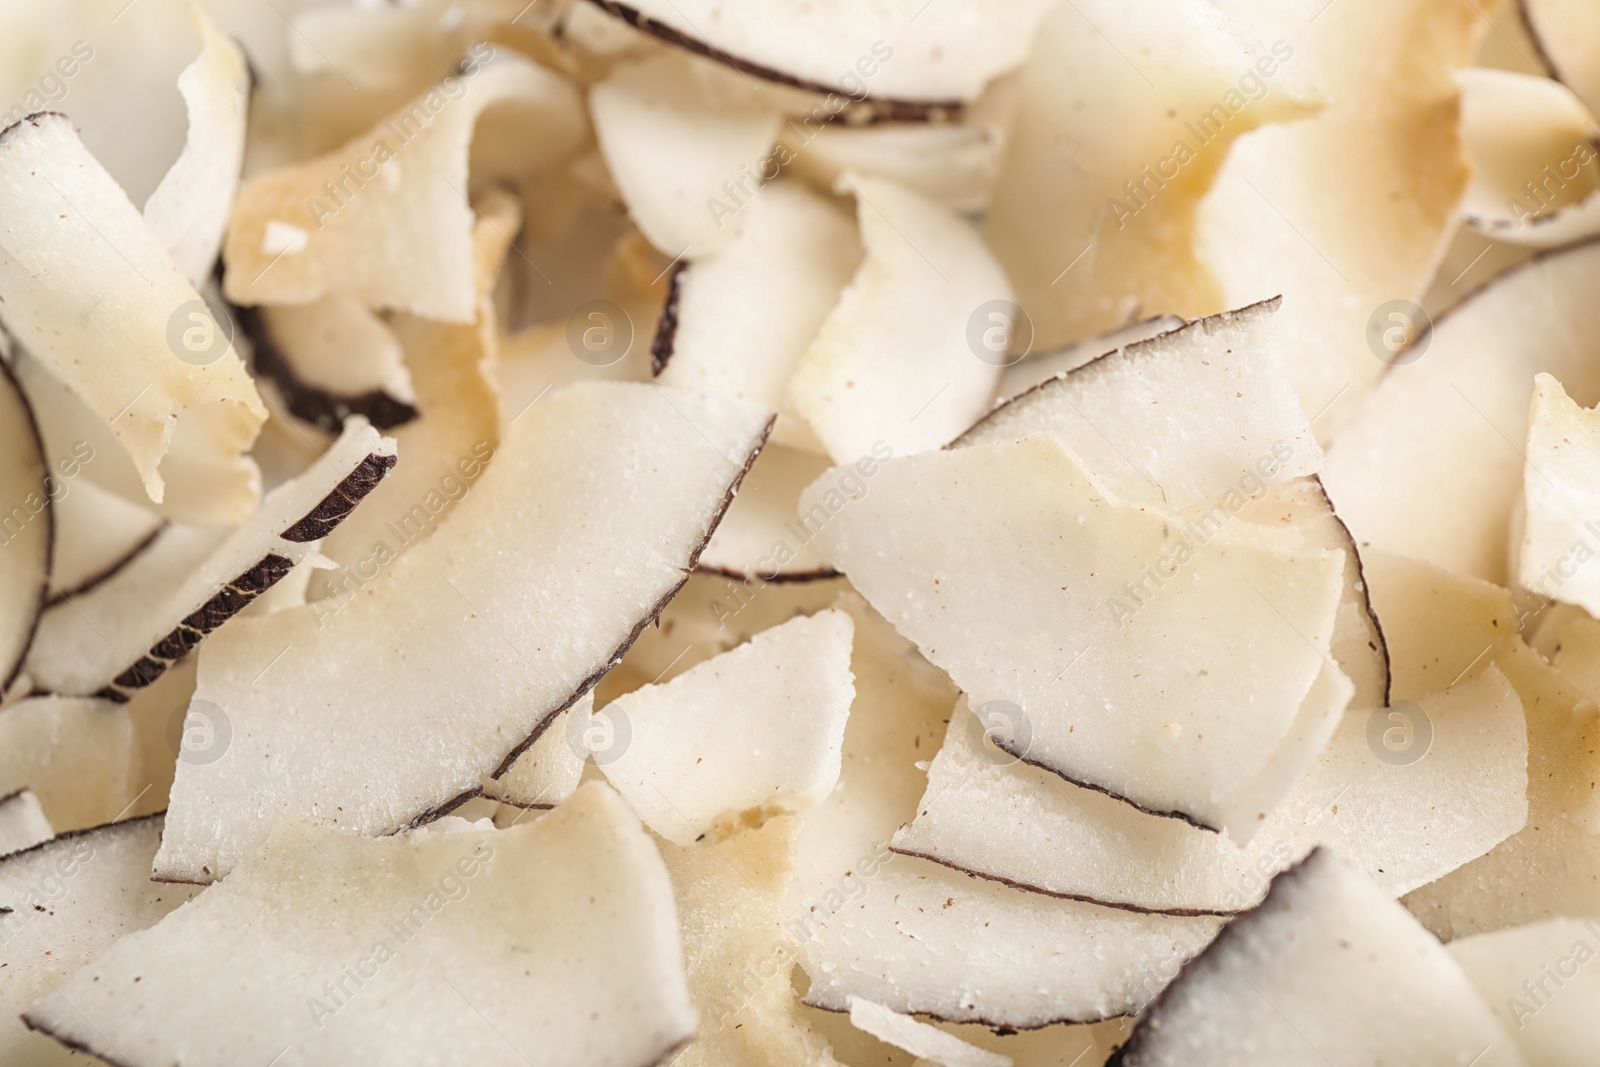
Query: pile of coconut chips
762, 534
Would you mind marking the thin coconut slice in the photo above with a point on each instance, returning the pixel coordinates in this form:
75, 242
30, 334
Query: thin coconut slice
1431, 464
62, 904
1350, 209
900, 57
901, 361
1326, 970
529, 632
76, 755
22, 823
918, 1038
28, 492
1125, 113
551, 768
332, 359
421, 942
1560, 497
1301, 507
693, 767
1464, 790
84, 277
1537, 981
1033, 600
303, 232
97, 533
1040, 366
188, 212
739, 321
1532, 142
764, 536
453, 440
925, 940
1181, 418
735, 915
686, 145
125, 634
1564, 32
951, 163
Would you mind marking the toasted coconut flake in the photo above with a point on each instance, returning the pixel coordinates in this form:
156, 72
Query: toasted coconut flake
693, 767
403, 187
1094, 701
739, 321
951, 163
764, 537
28, 492
97, 533
92, 295
1560, 496
75, 754
447, 924
895, 363
1327, 968
1554, 1026
22, 822
1351, 208
1039, 366
921, 1040
1125, 113
685, 144
550, 770
188, 211
1564, 32
62, 904
124, 634
1430, 464
1185, 417
1535, 180
534, 628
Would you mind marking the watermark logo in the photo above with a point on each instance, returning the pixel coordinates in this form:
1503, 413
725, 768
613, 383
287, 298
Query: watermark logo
1399, 735
602, 735
1399, 332
200, 733
999, 332
999, 732
200, 332
599, 333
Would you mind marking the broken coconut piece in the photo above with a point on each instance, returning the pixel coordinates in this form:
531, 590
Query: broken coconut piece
188, 212
1564, 32
686, 144
1351, 208
1463, 786
901, 359
1326, 970
97, 533
1183, 417
764, 536
918, 1038
62, 904
1534, 180
308, 230
122, 636
84, 278
76, 754
1073, 652
22, 823
1430, 465
1537, 981
1039, 366
1561, 497
420, 941
744, 736
907, 59
923, 939
28, 491
332, 359
1124, 114
735, 916
631, 480
551, 768
739, 320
